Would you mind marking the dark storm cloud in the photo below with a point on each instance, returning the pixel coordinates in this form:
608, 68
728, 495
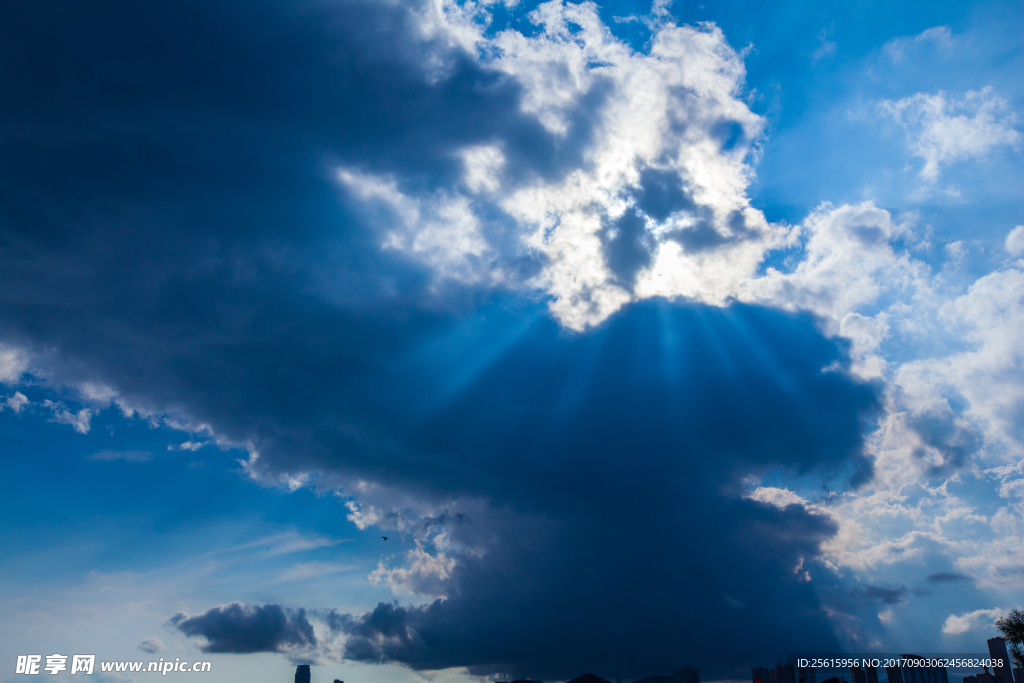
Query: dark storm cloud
885, 594
169, 226
615, 537
242, 629
641, 588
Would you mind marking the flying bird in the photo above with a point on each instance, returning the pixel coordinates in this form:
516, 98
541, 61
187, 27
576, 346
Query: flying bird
384, 537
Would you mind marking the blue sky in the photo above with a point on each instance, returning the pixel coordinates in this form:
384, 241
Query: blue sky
649, 335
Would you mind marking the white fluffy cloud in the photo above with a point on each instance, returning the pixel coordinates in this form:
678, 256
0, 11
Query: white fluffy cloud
968, 621
12, 364
79, 420
1015, 241
943, 129
16, 403
951, 419
424, 574
776, 496
847, 267
442, 230
658, 206
990, 316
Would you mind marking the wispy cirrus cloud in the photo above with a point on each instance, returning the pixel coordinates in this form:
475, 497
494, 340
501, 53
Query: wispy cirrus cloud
312, 570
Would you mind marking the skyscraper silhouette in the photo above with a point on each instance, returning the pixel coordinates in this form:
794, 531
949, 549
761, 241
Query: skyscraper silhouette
302, 674
808, 675
997, 650
782, 673
985, 677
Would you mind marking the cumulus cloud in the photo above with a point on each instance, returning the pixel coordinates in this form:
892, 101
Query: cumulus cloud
847, 264
424, 575
239, 628
13, 362
1015, 241
442, 230
79, 420
16, 403
656, 205
943, 129
990, 314
776, 496
382, 635
956, 624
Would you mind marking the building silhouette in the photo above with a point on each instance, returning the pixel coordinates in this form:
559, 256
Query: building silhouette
758, 674
894, 674
807, 675
782, 673
997, 650
871, 673
985, 677
1018, 675
302, 674
857, 675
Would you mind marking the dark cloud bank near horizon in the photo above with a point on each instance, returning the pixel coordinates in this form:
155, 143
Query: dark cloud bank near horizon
169, 226
243, 629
